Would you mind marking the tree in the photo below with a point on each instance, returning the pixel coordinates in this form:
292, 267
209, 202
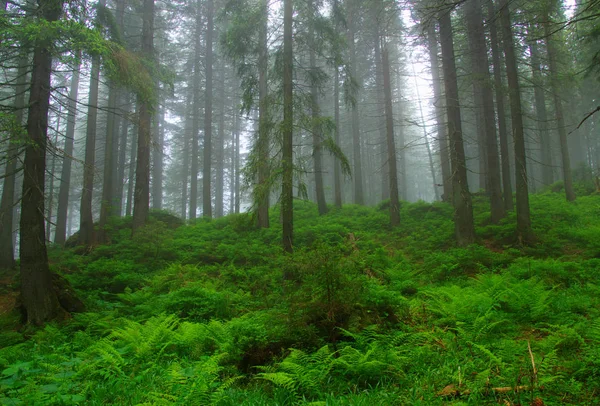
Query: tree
7, 251
558, 106
484, 97
390, 142
141, 199
524, 232
60, 234
499, 92
207, 147
37, 294
464, 226
287, 207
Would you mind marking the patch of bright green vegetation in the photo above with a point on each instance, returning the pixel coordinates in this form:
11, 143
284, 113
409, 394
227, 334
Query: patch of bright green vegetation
366, 315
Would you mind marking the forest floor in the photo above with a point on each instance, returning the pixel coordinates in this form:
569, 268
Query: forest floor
366, 315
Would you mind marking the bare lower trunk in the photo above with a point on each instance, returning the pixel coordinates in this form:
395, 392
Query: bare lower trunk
37, 294
141, 197
502, 131
60, 234
442, 136
524, 232
390, 142
207, 147
287, 207
461, 197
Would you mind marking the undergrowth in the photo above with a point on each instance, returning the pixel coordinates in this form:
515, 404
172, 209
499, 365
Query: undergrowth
215, 314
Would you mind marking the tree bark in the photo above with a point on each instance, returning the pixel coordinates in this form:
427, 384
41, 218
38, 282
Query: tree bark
37, 294
524, 232
559, 111
287, 207
7, 218
442, 136
464, 226
193, 205
358, 175
391, 144
315, 115
109, 166
122, 152
220, 150
541, 116
502, 131
60, 234
481, 80
141, 198
262, 189
157, 158
207, 147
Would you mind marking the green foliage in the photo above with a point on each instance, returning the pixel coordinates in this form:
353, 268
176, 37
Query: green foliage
200, 314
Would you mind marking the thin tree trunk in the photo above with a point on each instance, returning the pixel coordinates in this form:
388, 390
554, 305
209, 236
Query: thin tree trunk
440, 115
502, 131
122, 157
193, 205
316, 127
220, 150
52, 172
436, 193
141, 198
524, 232
380, 114
558, 108
157, 159
358, 172
132, 165
541, 116
7, 217
86, 221
207, 147
481, 76
464, 225
261, 192
287, 208
37, 294
60, 234
391, 144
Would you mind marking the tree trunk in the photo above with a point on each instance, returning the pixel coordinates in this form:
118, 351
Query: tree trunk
358, 175
436, 193
237, 126
109, 165
122, 152
558, 108
50, 199
37, 294
287, 207
391, 144
524, 232
481, 80
315, 115
440, 115
7, 218
141, 198
502, 131
193, 206
207, 147
541, 115
157, 158
461, 197
86, 221
261, 191
132, 165
60, 234
381, 117
220, 150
